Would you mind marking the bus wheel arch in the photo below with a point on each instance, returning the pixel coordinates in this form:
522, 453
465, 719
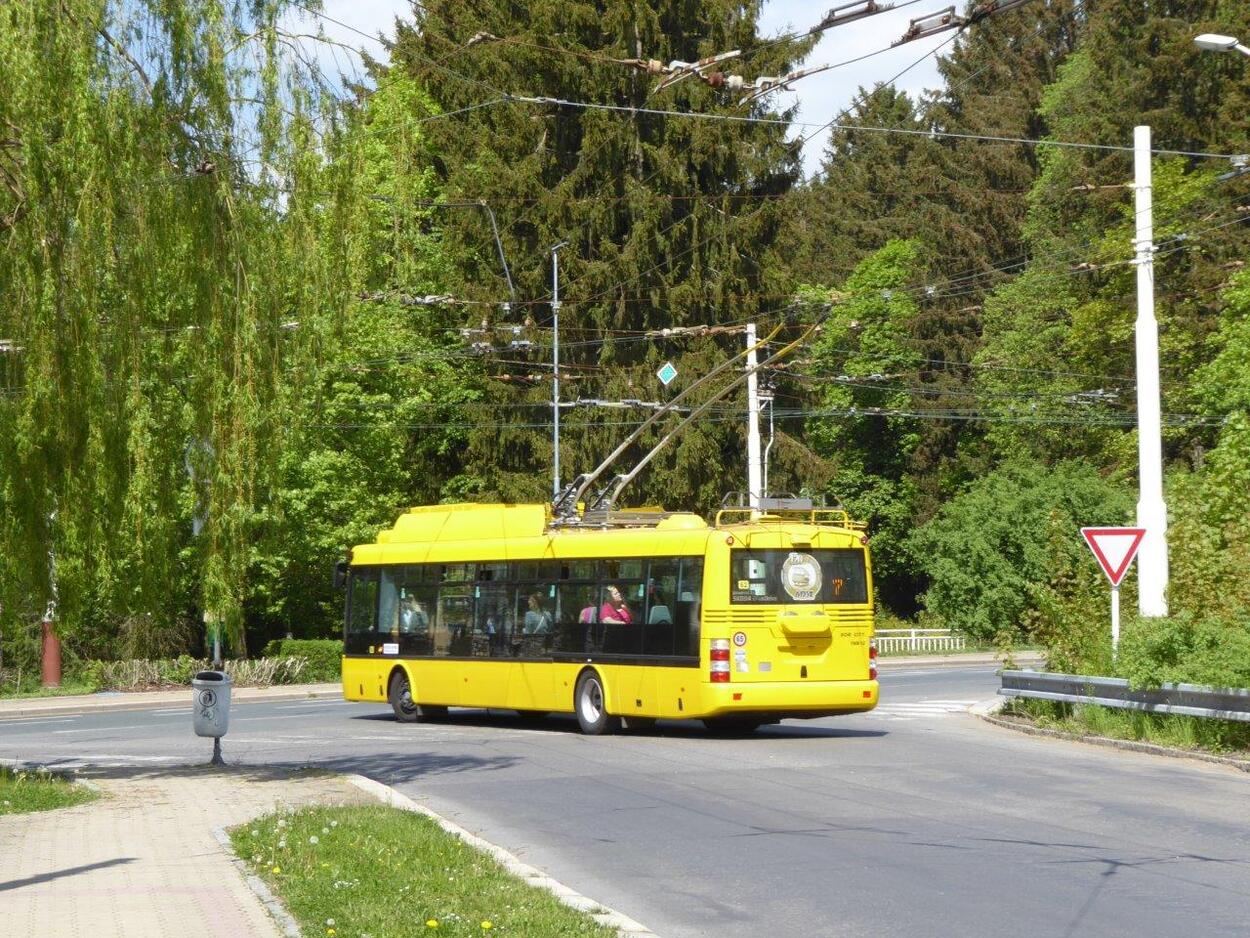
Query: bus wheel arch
591, 704
404, 702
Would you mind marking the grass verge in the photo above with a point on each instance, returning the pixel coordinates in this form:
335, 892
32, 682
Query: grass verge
1220, 737
383, 872
67, 689
23, 791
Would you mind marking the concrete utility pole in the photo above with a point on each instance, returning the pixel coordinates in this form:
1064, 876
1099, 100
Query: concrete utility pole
555, 368
754, 462
1152, 563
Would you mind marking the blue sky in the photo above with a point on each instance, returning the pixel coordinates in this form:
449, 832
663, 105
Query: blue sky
820, 98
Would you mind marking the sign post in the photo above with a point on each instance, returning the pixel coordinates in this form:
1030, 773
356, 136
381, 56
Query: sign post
1114, 549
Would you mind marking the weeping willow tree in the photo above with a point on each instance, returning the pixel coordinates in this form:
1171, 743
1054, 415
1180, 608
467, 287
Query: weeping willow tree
170, 171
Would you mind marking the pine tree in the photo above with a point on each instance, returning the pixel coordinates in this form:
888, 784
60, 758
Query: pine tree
669, 219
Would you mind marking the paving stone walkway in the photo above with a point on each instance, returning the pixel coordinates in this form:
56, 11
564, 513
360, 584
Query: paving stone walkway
142, 861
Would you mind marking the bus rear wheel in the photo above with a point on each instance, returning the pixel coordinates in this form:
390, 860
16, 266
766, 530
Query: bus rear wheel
406, 709
590, 703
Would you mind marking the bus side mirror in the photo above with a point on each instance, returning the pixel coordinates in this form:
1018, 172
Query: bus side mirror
340, 575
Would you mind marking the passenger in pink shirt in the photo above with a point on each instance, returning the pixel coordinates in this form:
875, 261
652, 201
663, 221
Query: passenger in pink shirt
615, 610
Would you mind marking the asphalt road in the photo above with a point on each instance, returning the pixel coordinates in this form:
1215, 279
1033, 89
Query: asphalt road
913, 820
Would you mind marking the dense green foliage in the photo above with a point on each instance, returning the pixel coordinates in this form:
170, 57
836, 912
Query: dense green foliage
323, 656
249, 321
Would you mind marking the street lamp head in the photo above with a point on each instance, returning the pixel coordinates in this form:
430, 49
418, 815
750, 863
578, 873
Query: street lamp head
556, 247
1215, 43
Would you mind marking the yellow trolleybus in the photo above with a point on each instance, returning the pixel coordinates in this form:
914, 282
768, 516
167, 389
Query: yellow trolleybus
763, 615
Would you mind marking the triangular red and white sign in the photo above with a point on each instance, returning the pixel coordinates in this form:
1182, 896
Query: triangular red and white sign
1114, 549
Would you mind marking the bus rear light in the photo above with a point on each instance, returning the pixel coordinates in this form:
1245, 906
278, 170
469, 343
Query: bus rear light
719, 673
872, 659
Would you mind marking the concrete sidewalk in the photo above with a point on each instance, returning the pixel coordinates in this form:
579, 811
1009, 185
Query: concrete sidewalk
142, 861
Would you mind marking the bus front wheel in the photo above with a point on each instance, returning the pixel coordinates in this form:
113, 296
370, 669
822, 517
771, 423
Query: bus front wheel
406, 709
589, 701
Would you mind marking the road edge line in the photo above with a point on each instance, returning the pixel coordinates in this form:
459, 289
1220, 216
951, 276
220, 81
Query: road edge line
273, 905
532, 875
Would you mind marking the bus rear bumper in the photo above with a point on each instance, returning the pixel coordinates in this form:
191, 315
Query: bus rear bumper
791, 699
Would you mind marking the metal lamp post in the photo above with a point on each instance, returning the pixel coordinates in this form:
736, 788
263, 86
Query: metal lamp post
1214, 42
555, 368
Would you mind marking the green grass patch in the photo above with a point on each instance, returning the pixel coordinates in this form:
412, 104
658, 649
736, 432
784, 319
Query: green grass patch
383, 872
26, 790
1221, 737
68, 688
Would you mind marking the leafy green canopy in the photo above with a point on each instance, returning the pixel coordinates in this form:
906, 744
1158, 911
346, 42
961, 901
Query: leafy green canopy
165, 202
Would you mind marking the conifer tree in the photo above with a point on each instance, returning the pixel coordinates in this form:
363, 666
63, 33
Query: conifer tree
669, 219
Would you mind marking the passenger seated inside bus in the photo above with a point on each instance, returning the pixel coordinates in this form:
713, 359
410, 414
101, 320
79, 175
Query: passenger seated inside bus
537, 619
412, 618
614, 609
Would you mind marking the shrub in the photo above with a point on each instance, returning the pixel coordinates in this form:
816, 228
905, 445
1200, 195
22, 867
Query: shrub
987, 550
141, 673
323, 655
1185, 649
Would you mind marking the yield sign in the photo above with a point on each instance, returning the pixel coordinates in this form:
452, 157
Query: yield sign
1114, 548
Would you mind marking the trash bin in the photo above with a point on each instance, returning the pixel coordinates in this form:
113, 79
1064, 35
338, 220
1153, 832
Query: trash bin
211, 707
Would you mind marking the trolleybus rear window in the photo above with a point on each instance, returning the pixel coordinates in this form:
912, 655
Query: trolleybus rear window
786, 577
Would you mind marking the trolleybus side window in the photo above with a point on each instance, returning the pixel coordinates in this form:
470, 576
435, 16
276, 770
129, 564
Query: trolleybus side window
659, 631
493, 618
689, 602
362, 605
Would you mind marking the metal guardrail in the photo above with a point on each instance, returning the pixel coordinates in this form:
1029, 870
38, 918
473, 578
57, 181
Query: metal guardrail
894, 640
1192, 700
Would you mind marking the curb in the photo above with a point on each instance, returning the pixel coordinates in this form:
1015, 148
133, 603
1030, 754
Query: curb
38, 707
601, 913
277, 911
992, 707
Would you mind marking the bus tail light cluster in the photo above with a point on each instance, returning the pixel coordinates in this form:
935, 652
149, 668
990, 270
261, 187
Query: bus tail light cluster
872, 659
720, 661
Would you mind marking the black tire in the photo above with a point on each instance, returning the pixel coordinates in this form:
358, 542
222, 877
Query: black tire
408, 710
589, 705
732, 726
400, 696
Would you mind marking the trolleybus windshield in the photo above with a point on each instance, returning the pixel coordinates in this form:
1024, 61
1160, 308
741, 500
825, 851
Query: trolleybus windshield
787, 577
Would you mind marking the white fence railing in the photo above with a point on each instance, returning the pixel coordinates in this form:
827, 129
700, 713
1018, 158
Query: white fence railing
892, 641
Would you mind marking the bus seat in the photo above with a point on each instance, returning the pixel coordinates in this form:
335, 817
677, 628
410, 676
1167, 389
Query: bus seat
660, 615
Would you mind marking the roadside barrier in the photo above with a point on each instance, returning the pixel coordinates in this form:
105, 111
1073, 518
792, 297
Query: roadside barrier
1192, 700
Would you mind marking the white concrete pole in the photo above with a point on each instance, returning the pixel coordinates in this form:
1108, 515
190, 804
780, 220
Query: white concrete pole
1115, 621
1152, 562
754, 461
555, 368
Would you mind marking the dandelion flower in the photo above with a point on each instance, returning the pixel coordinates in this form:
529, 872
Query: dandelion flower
281, 822
331, 931
255, 833
431, 923
487, 926
334, 823
329, 923
325, 830
313, 840
282, 844
277, 870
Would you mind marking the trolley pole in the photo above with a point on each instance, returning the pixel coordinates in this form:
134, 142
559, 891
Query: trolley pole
754, 462
1152, 565
555, 368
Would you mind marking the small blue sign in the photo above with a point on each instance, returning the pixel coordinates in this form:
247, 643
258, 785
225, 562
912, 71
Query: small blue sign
666, 374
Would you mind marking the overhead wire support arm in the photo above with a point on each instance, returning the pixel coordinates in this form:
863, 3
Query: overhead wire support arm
858, 10
933, 23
